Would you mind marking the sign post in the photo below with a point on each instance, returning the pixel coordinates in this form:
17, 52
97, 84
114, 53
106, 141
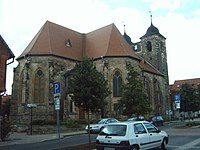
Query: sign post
56, 86
177, 100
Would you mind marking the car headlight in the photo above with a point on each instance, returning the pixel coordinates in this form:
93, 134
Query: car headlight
163, 133
95, 127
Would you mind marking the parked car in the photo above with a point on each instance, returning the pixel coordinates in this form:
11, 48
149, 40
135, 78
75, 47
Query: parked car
138, 118
132, 135
157, 120
97, 126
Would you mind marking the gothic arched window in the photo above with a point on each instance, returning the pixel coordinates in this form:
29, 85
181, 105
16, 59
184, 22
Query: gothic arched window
149, 46
39, 87
148, 90
117, 84
22, 89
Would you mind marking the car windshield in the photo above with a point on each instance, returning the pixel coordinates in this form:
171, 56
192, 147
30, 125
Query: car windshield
96, 122
102, 121
114, 130
159, 118
132, 119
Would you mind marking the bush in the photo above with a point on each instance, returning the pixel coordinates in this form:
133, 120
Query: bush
193, 124
72, 124
5, 128
43, 122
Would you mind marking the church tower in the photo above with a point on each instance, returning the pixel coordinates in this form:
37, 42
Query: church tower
152, 48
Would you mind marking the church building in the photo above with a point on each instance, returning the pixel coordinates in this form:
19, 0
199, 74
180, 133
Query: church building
53, 52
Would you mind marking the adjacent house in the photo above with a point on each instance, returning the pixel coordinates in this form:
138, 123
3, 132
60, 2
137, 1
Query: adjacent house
6, 58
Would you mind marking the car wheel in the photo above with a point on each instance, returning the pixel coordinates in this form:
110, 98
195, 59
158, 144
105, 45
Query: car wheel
163, 145
101, 129
135, 147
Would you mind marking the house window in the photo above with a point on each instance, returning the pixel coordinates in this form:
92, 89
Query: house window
39, 87
68, 43
149, 46
117, 84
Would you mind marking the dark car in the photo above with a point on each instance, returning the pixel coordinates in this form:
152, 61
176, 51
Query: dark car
157, 120
138, 118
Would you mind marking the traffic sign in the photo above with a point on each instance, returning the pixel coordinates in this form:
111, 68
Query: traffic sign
177, 98
56, 86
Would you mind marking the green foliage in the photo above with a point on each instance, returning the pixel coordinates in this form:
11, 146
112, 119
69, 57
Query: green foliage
72, 124
134, 98
5, 128
190, 100
43, 122
88, 87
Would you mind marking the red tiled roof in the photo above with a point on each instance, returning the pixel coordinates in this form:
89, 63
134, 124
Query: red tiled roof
108, 41
52, 38
149, 68
6, 47
177, 84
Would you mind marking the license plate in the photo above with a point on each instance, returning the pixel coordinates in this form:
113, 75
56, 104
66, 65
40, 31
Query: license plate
107, 148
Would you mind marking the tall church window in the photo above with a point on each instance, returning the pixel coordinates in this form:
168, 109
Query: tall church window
148, 91
39, 87
149, 46
117, 84
157, 97
22, 89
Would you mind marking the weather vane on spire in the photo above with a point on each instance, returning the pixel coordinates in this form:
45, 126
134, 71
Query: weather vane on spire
124, 28
150, 16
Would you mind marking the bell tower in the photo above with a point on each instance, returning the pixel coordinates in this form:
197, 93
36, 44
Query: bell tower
153, 50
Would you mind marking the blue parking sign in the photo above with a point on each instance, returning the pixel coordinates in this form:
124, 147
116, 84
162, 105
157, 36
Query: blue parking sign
177, 98
56, 87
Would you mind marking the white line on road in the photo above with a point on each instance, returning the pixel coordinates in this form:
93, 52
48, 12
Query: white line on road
189, 145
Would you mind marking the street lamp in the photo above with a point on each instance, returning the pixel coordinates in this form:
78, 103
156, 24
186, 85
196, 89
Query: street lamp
1, 118
31, 106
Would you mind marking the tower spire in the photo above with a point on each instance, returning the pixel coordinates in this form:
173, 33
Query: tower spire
150, 16
124, 29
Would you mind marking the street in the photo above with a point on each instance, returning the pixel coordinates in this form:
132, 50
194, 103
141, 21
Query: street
179, 139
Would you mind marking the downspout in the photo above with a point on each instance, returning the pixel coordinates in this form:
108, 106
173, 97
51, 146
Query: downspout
3, 92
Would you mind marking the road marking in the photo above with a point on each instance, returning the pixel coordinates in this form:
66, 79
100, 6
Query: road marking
189, 145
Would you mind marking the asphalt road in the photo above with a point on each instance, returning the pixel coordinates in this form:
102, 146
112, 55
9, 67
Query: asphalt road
52, 144
179, 139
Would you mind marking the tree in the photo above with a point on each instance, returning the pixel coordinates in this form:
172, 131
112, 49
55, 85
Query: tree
134, 97
88, 88
187, 93
189, 99
198, 97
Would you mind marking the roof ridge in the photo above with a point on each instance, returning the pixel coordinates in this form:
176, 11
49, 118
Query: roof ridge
31, 44
112, 25
7, 47
49, 40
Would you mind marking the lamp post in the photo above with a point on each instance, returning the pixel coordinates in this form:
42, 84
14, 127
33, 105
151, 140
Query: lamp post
31, 106
1, 118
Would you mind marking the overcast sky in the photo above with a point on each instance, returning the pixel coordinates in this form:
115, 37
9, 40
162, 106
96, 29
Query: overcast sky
177, 20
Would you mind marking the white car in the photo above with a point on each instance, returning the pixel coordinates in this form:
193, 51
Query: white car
97, 126
131, 135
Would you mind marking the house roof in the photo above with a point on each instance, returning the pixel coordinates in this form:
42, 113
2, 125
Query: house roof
177, 83
53, 39
149, 68
152, 30
11, 55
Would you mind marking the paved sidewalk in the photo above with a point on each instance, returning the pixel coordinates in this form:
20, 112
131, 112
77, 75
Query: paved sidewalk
23, 138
